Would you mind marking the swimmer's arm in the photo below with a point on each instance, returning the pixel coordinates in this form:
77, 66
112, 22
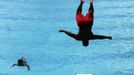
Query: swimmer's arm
28, 67
70, 34
14, 65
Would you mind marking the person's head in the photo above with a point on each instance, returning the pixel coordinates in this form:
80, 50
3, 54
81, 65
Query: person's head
20, 62
85, 43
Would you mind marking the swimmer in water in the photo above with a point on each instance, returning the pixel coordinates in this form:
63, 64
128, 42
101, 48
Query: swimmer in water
22, 63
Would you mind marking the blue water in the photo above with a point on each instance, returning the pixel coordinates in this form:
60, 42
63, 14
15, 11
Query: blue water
29, 28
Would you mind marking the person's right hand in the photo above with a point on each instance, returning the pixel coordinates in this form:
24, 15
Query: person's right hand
61, 31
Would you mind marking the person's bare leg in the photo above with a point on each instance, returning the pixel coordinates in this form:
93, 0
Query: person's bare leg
91, 8
79, 9
91, 1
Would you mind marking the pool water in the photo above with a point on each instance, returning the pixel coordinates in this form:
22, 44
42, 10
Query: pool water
29, 28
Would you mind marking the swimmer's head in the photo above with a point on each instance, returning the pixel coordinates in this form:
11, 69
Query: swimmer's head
85, 43
20, 62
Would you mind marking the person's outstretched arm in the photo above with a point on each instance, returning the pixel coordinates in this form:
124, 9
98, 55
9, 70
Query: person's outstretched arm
28, 67
14, 65
101, 37
70, 34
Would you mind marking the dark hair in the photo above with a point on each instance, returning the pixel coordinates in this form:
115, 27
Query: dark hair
85, 42
20, 62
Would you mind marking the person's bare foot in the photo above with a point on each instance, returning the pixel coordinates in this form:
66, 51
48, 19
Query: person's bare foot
82, 0
91, 1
